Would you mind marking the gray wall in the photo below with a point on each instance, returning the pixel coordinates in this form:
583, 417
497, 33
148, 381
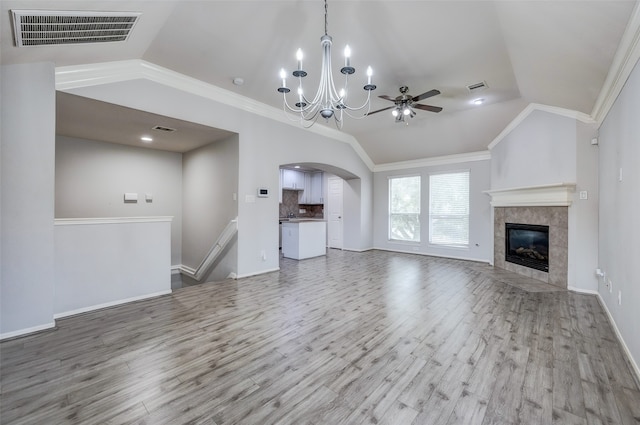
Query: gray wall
619, 245
210, 181
479, 214
92, 177
541, 150
26, 208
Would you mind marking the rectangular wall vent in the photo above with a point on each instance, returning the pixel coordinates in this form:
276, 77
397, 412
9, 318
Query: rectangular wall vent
54, 27
477, 86
165, 129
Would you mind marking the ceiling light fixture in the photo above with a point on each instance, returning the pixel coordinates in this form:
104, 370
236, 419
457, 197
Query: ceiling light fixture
146, 139
328, 102
401, 110
478, 101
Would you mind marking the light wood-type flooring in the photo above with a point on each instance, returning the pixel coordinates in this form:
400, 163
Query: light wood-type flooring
350, 338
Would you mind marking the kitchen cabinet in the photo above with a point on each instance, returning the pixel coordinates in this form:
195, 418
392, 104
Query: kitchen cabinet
316, 196
304, 239
292, 180
312, 194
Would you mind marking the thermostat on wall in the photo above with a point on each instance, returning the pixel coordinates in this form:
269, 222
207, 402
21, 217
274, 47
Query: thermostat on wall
263, 192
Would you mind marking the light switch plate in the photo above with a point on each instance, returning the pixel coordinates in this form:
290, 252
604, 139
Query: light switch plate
130, 197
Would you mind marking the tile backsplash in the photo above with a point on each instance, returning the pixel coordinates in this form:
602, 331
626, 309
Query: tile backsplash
290, 205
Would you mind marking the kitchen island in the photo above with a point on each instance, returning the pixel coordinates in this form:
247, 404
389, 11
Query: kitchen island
304, 238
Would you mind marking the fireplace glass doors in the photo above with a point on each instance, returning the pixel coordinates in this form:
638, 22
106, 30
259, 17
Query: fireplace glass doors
527, 245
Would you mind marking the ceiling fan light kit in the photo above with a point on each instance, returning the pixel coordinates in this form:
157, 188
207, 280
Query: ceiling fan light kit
404, 104
328, 101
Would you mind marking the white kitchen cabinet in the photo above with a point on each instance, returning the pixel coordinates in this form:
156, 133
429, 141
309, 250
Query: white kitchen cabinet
292, 179
304, 239
316, 195
312, 194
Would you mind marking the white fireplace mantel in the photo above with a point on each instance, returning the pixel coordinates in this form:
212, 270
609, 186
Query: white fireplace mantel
552, 195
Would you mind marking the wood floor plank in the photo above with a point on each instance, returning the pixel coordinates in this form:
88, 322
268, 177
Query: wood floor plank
348, 338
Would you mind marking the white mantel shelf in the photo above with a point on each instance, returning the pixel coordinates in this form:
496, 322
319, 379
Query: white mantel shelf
552, 195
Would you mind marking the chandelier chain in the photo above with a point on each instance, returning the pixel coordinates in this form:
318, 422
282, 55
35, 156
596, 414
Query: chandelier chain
326, 18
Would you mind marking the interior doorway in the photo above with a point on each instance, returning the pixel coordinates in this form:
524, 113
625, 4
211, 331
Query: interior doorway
335, 205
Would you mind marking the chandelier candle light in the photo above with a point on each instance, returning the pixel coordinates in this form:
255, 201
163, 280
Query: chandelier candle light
328, 102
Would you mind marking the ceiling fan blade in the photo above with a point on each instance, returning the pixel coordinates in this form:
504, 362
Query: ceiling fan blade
428, 94
384, 96
380, 110
427, 107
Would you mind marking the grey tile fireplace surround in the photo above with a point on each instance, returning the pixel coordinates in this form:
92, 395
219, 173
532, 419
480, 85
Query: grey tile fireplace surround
557, 218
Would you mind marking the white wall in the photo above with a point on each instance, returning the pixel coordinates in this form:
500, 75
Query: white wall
583, 214
210, 180
480, 234
619, 235
27, 176
104, 262
92, 177
265, 144
547, 148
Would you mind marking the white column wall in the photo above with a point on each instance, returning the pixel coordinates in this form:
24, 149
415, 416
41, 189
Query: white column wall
26, 209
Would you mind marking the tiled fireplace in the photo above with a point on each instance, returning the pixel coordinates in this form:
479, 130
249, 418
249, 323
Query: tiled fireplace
536, 206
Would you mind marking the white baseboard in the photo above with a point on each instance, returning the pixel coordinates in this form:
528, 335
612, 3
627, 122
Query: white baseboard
109, 304
240, 276
428, 254
26, 331
175, 269
356, 250
626, 350
583, 291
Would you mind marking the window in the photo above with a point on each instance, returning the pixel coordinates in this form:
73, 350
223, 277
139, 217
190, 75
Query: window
404, 208
449, 209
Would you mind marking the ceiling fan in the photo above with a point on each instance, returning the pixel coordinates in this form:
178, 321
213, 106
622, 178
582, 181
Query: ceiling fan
404, 104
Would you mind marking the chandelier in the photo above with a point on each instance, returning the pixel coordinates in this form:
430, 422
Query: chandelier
328, 101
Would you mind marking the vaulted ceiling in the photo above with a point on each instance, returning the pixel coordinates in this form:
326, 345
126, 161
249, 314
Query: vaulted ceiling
555, 53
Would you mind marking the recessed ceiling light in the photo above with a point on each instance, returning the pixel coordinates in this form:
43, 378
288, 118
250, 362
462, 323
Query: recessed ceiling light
146, 139
478, 101
297, 166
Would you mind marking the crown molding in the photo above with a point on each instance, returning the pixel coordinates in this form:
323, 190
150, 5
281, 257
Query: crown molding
625, 59
569, 113
430, 162
86, 75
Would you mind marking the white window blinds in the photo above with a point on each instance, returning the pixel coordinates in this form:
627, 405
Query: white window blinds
449, 209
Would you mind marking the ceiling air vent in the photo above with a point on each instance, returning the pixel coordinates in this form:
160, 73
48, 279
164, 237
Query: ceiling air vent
165, 129
55, 27
477, 86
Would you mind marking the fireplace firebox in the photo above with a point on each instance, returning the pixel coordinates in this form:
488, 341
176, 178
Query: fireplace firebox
527, 245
